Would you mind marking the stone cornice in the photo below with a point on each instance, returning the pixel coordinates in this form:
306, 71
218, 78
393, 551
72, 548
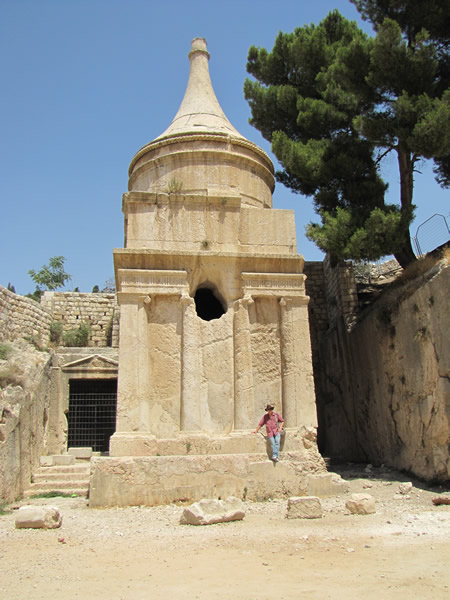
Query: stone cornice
196, 137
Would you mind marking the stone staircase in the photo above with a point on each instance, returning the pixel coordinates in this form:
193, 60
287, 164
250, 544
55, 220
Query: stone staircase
65, 473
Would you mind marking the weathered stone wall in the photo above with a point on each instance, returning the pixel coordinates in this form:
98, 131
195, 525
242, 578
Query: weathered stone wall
99, 311
383, 385
24, 416
22, 317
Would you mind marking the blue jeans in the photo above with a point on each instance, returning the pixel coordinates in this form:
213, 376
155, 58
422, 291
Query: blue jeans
275, 443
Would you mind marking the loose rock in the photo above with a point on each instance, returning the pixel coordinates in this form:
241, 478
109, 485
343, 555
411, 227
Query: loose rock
208, 512
38, 517
304, 507
405, 488
361, 504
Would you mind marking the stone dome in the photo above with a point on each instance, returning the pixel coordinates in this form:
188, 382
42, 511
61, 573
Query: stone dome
201, 153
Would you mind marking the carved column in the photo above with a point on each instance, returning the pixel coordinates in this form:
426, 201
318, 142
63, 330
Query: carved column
190, 368
289, 367
243, 373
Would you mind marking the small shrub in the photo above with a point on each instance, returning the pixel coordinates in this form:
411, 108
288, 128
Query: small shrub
174, 186
56, 331
109, 332
77, 338
36, 295
4, 510
54, 494
5, 351
10, 374
35, 341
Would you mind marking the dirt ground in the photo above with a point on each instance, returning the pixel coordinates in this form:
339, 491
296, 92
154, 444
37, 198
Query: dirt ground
402, 551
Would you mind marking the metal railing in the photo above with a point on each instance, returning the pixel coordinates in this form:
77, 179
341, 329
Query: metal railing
431, 234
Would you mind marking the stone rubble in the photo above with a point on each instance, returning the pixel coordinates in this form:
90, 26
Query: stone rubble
210, 511
304, 507
38, 517
361, 504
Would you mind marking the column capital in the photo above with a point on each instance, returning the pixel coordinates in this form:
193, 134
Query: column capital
285, 301
186, 300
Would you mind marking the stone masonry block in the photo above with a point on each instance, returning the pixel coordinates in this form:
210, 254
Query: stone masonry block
304, 507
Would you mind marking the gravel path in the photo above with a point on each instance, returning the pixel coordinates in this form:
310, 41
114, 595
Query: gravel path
140, 552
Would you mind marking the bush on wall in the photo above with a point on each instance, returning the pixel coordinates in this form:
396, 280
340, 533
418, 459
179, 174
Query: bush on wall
77, 338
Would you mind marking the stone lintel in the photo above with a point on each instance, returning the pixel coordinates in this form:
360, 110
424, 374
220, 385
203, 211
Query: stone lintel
145, 282
198, 197
289, 285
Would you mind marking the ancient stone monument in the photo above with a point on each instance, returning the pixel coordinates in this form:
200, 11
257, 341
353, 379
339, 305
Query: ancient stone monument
213, 320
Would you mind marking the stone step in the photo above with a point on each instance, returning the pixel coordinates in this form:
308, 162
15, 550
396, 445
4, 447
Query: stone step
83, 468
77, 476
49, 486
58, 476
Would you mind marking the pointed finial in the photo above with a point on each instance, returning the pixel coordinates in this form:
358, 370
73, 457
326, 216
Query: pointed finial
198, 44
200, 111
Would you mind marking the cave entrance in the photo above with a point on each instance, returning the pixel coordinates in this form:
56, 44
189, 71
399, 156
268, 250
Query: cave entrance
208, 305
92, 413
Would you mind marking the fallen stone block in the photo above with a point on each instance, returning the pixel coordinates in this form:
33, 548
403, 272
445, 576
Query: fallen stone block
405, 488
80, 453
326, 484
304, 507
208, 512
361, 504
38, 517
440, 500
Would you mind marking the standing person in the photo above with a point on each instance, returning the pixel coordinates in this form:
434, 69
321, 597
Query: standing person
274, 423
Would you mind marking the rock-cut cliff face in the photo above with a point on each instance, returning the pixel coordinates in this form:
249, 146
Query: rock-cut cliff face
24, 416
386, 384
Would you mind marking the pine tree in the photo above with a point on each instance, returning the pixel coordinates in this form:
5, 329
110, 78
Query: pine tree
333, 102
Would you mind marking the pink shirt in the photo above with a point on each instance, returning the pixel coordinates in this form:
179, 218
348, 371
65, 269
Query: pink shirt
271, 423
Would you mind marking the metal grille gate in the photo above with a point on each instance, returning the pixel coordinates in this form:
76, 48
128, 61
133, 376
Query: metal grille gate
92, 413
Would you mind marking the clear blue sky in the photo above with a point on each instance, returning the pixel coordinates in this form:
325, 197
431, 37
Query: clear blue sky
86, 83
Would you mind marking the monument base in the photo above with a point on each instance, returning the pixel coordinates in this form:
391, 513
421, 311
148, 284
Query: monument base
153, 480
193, 443
195, 466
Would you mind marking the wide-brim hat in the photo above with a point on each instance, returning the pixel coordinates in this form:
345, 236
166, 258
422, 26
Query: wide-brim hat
269, 407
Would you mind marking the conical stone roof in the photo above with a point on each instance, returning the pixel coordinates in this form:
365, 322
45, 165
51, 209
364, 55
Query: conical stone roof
200, 111
201, 152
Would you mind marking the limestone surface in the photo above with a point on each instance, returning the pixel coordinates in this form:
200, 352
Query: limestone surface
208, 512
304, 507
38, 517
361, 504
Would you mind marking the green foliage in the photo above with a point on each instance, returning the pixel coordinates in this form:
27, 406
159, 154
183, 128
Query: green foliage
333, 102
4, 509
5, 351
36, 295
35, 340
77, 338
56, 331
342, 237
11, 288
109, 332
51, 276
174, 186
54, 494
95, 289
